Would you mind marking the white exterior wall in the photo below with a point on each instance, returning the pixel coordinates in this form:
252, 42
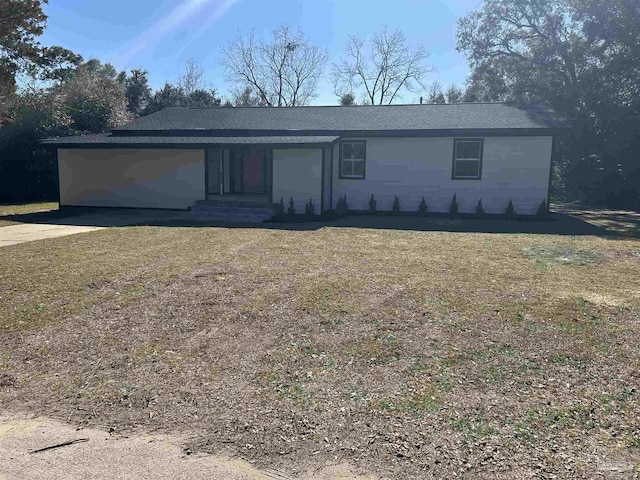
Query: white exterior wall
512, 168
297, 173
326, 187
142, 178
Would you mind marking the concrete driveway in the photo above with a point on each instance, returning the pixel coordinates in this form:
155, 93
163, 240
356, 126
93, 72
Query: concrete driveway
28, 232
103, 455
59, 227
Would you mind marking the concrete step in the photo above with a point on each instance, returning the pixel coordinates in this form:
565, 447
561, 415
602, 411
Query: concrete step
240, 203
223, 210
216, 213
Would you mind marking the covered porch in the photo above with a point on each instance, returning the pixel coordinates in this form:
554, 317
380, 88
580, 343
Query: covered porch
239, 175
262, 171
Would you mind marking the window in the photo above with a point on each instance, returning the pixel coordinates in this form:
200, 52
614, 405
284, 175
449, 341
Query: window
467, 159
352, 158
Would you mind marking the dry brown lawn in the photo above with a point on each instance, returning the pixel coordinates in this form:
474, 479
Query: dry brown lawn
406, 354
10, 212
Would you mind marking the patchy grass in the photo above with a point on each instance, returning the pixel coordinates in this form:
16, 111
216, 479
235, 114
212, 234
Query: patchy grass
10, 213
409, 354
552, 255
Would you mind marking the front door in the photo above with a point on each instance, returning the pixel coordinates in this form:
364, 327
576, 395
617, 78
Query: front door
248, 171
253, 172
214, 171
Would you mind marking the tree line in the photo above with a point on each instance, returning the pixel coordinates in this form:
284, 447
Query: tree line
581, 57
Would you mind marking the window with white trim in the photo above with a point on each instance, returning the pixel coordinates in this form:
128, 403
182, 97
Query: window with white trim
467, 159
352, 159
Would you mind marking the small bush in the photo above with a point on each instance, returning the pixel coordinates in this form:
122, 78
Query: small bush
279, 208
292, 208
309, 208
543, 210
480, 209
423, 208
510, 211
396, 205
341, 207
454, 207
372, 204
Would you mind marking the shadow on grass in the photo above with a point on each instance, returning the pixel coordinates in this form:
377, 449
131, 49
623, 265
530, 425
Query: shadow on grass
556, 225
559, 223
623, 222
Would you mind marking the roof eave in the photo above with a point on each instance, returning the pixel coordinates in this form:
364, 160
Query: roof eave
344, 133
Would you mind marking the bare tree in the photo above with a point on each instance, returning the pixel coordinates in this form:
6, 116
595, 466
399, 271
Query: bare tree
435, 93
192, 78
282, 71
383, 67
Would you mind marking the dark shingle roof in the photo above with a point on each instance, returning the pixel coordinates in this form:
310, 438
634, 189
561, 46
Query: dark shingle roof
107, 139
465, 116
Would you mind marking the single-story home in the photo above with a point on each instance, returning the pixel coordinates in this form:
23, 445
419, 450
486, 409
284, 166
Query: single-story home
177, 157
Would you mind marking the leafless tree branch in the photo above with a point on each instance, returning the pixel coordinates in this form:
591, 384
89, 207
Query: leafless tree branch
382, 67
192, 77
283, 71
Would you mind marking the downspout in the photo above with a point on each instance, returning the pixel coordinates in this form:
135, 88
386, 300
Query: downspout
222, 171
553, 154
331, 180
58, 174
322, 179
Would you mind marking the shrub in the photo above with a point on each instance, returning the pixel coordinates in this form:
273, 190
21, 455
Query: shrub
341, 207
510, 211
453, 207
279, 208
423, 208
292, 209
372, 204
480, 209
543, 210
396, 205
309, 208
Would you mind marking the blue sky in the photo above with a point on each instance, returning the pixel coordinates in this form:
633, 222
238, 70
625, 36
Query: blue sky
160, 35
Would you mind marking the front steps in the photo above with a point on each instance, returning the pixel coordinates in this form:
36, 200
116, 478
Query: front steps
207, 212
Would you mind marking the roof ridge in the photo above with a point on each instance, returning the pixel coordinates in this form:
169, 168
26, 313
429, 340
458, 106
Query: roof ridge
412, 116
347, 106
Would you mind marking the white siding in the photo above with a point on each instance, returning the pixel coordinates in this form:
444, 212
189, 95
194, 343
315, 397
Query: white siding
297, 173
142, 178
326, 187
512, 168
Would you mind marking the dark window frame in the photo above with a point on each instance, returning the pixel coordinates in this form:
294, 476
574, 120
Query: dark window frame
364, 161
480, 160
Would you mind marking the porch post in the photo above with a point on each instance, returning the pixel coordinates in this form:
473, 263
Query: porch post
221, 171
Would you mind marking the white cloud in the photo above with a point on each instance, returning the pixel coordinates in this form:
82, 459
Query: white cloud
177, 16
217, 13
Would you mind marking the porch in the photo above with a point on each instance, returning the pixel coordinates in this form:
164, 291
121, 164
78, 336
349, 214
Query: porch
246, 181
237, 200
240, 175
